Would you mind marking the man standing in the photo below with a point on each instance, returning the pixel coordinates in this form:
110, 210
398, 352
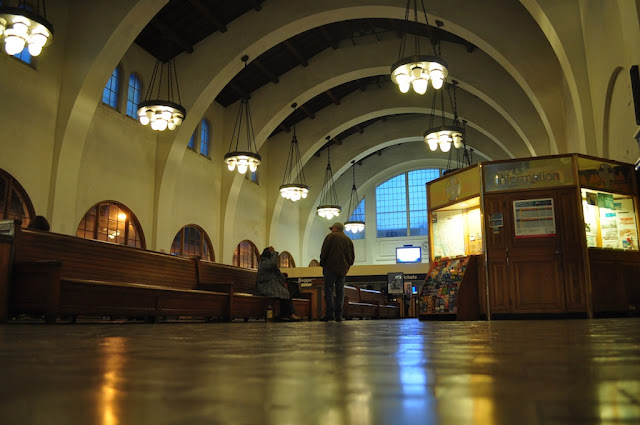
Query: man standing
336, 258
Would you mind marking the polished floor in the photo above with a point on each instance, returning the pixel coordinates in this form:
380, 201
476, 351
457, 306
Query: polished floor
388, 372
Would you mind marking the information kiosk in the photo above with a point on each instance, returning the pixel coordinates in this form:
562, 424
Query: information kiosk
557, 234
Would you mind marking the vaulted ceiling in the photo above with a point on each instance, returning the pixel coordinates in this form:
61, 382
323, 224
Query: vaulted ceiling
182, 24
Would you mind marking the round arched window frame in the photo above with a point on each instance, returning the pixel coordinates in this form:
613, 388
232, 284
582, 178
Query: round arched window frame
193, 241
14, 201
314, 263
113, 222
285, 260
246, 255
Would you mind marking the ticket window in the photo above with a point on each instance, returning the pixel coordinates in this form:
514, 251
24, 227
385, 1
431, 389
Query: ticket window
457, 230
610, 220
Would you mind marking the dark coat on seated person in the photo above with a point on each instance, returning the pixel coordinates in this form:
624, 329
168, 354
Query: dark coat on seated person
270, 281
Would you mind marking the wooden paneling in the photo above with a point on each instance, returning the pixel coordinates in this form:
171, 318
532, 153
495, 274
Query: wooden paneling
615, 280
536, 286
536, 274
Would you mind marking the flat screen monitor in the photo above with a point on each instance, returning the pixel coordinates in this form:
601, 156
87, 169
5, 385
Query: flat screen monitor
395, 283
408, 254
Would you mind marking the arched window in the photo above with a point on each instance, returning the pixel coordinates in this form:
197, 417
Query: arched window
200, 138
246, 255
111, 221
314, 263
204, 138
133, 95
112, 89
358, 213
193, 241
285, 260
192, 141
14, 201
401, 204
25, 56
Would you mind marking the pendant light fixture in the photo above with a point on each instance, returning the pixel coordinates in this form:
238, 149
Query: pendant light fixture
357, 224
22, 26
447, 133
248, 159
416, 70
162, 112
463, 156
294, 186
329, 207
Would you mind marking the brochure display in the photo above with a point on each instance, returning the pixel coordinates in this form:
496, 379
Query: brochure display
451, 288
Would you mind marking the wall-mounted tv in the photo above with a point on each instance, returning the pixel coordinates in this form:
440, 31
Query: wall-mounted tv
408, 254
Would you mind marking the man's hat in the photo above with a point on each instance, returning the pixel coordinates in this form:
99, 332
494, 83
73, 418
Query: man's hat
338, 225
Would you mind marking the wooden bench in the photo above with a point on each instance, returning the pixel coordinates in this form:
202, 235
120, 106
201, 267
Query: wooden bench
244, 303
59, 275
367, 303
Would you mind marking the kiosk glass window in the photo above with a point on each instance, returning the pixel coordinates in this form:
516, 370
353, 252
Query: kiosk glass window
610, 220
457, 229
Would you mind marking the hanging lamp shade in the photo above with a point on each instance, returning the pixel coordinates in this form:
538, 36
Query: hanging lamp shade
355, 223
329, 207
25, 26
294, 186
162, 110
416, 70
237, 158
443, 133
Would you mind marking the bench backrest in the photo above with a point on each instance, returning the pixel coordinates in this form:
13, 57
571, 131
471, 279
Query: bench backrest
371, 296
96, 260
244, 280
353, 293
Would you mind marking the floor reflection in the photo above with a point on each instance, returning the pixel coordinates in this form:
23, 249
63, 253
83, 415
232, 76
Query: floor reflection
112, 352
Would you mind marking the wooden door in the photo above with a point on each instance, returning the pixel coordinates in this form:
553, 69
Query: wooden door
526, 273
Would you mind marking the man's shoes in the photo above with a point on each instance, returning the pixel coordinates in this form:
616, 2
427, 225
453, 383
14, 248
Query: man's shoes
327, 319
338, 319
294, 318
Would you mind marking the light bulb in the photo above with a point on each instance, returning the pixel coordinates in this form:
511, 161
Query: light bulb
445, 146
144, 120
416, 72
177, 118
253, 167
404, 87
171, 125
242, 168
457, 141
402, 78
295, 196
13, 44
304, 194
35, 49
38, 38
444, 138
166, 115
21, 28
160, 125
437, 78
231, 165
420, 85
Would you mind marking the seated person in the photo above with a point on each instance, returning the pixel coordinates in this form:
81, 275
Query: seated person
39, 223
271, 283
